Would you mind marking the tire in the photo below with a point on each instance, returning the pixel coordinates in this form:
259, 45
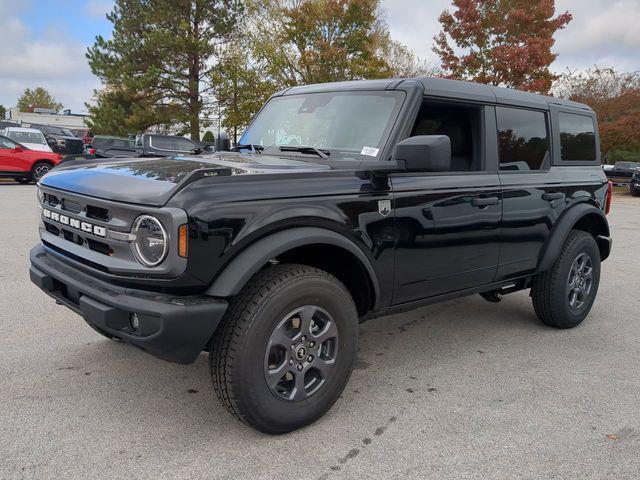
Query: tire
23, 180
634, 192
255, 340
555, 293
39, 170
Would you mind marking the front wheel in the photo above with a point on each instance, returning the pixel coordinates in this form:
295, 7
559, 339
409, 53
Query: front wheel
39, 170
563, 296
286, 348
634, 191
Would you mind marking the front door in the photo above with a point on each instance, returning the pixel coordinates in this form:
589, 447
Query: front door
448, 224
9, 161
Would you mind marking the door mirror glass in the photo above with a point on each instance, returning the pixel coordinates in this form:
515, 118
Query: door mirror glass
429, 153
18, 149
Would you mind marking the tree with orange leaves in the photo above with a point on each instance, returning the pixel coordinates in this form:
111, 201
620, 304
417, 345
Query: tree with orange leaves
501, 42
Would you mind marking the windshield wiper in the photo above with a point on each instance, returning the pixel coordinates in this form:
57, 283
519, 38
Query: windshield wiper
248, 146
306, 149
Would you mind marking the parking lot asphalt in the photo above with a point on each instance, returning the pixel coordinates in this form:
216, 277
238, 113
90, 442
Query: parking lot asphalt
460, 390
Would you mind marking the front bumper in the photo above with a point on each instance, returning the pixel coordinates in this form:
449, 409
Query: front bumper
173, 328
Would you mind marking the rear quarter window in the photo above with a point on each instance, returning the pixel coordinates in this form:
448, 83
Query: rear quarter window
577, 137
523, 139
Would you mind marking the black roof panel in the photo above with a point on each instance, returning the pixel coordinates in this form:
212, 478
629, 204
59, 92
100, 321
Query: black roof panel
445, 88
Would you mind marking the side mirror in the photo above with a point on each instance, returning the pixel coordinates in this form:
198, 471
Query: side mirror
18, 149
430, 153
196, 151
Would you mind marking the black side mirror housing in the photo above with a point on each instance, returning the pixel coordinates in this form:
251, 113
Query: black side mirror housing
429, 153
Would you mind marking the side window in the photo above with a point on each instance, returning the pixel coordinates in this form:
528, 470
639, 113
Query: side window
184, 145
458, 122
523, 139
577, 137
7, 144
162, 143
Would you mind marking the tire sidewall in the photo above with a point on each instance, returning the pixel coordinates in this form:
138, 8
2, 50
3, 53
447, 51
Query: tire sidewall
584, 244
269, 411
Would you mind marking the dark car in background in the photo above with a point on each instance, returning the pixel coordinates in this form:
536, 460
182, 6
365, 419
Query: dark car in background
61, 140
151, 145
83, 133
622, 172
634, 186
105, 146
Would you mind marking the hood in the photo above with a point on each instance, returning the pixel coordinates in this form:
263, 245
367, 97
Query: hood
152, 181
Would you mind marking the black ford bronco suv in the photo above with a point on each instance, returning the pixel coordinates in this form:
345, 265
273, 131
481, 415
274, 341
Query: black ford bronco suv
342, 202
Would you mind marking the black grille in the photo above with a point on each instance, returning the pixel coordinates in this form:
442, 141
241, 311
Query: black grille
78, 259
99, 247
98, 213
70, 206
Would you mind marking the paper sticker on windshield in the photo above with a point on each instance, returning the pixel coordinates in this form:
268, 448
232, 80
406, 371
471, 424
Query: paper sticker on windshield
370, 151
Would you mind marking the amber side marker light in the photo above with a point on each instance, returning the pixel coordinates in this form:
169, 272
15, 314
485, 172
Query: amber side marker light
607, 205
183, 233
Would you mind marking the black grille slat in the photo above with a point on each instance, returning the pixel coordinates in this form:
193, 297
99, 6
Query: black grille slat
71, 206
97, 213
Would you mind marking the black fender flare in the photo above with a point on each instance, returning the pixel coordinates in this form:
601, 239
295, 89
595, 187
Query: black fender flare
241, 268
564, 226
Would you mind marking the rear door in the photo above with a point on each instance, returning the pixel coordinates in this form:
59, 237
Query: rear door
447, 223
534, 193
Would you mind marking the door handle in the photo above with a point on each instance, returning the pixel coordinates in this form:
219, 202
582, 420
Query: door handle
483, 202
550, 197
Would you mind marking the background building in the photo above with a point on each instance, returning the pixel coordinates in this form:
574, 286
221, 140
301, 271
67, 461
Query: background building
65, 119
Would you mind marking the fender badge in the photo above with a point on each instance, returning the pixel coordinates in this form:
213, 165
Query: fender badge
384, 207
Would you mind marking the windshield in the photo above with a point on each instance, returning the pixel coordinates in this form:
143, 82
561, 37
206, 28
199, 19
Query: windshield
346, 124
27, 137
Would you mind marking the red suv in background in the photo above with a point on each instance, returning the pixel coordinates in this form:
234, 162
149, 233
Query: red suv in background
22, 164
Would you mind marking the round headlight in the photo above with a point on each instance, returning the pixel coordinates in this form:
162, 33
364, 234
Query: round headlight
151, 243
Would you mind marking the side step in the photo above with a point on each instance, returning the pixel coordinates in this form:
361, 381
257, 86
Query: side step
495, 296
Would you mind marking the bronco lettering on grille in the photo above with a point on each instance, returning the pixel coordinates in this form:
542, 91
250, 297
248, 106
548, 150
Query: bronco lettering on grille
74, 223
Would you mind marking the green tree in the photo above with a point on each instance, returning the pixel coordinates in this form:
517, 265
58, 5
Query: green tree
120, 111
242, 88
3, 112
162, 53
293, 42
39, 97
208, 137
500, 42
312, 41
404, 63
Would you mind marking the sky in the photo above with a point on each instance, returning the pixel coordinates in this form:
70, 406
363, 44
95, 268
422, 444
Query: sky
43, 42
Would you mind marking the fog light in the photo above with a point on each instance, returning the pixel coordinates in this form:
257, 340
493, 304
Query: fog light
134, 321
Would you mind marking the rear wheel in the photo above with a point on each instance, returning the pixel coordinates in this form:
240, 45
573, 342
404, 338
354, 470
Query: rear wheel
39, 170
634, 191
564, 295
286, 348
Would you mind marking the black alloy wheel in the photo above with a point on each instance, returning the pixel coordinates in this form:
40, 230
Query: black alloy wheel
301, 353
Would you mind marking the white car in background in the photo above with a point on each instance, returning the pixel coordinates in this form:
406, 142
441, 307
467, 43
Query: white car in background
29, 137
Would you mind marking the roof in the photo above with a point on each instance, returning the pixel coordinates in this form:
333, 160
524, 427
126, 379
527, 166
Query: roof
445, 88
22, 129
